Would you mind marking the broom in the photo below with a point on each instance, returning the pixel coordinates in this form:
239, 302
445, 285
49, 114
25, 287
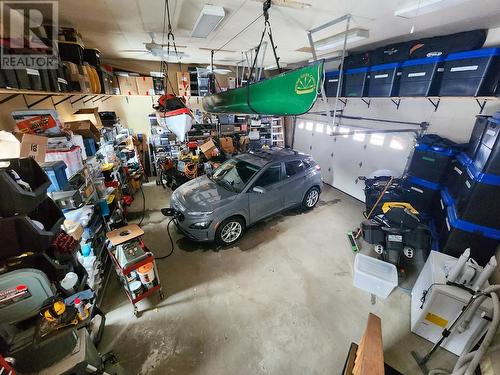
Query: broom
354, 236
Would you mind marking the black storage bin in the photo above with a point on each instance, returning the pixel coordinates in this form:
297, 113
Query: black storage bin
355, 82
477, 135
20, 233
14, 198
373, 189
35, 79
372, 232
357, 60
420, 77
431, 158
7, 76
63, 78
487, 157
332, 83
439, 210
92, 56
44, 78
421, 194
457, 175
23, 80
479, 199
384, 80
456, 235
471, 73
71, 51
53, 83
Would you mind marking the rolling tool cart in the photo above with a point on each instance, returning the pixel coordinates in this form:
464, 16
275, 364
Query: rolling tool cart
134, 264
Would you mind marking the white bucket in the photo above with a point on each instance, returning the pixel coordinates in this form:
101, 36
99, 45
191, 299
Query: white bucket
146, 273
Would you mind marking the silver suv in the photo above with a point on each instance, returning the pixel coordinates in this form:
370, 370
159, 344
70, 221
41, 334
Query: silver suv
243, 190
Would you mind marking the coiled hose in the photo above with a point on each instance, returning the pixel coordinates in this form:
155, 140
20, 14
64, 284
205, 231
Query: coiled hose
468, 362
191, 170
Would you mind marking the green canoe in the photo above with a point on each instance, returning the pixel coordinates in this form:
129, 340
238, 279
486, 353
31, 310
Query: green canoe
290, 93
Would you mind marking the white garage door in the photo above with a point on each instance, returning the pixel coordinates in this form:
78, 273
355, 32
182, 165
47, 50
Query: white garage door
346, 157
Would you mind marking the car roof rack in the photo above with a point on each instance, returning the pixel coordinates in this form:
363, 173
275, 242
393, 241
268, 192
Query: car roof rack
273, 152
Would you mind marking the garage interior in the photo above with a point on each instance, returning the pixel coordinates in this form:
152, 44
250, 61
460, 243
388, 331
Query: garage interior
250, 186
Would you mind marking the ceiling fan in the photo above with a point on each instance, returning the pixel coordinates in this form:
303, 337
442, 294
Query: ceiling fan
214, 69
158, 50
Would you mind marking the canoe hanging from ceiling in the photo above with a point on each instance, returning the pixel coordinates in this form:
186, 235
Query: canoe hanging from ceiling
290, 93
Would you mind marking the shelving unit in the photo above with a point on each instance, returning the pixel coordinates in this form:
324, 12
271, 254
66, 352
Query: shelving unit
277, 132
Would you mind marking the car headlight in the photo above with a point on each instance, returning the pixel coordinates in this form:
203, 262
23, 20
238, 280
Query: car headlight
200, 213
200, 225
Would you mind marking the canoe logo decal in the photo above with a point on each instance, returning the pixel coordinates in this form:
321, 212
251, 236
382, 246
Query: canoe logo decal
306, 83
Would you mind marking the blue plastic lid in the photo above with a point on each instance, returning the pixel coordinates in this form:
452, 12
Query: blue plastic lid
437, 149
424, 183
426, 60
484, 178
332, 73
478, 53
374, 68
356, 70
464, 159
446, 197
466, 226
495, 118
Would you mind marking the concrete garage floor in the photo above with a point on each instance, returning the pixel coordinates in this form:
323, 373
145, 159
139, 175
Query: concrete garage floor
280, 302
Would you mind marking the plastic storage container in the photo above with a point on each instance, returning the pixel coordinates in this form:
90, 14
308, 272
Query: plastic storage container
15, 199
421, 194
476, 135
72, 158
34, 78
70, 51
487, 157
56, 171
456, 235
22, 233
421, 77
457, 175
92, 56
374, 276
332, 83
356, 82
90, 146
471, 73
384, 80
430, 161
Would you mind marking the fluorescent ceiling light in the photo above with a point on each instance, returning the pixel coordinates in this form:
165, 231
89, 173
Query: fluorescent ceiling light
209, 18
354, 35
417, 8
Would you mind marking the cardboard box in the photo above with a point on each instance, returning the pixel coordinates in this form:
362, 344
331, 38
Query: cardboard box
85, 128
244, 144
40, 121
124, 234
227, 145
145, 86
73, 68
115, 87
91, 114
34, 146
128, 85
208, 148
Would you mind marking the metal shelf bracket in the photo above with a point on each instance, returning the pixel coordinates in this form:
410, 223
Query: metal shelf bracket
367, 102
481, 105
435, 104
396, 102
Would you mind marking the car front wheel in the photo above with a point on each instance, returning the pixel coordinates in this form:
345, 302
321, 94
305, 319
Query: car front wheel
230, 231
311, 198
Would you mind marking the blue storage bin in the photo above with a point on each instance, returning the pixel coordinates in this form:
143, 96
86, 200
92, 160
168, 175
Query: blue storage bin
56, 171
421, 77
332, 83
471, 73
90, 146
384, 80
487, 156
355, 82
456, 235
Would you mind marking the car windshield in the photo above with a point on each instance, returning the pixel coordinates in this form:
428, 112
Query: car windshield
234, 174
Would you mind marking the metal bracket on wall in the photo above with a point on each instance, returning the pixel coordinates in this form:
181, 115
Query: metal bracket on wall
367, 102
109, 97
435, 104
63, 100
77, 100
126, 98
396, 102
344, 102
88, 100
37, 101
8, 98
481, 105
98, 99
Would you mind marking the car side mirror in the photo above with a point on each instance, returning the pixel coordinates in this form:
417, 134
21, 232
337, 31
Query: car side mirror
259, 189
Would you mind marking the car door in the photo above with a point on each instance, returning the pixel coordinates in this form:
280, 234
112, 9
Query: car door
293, 184
271, 199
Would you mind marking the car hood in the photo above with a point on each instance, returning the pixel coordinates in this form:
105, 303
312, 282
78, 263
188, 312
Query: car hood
201, 195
